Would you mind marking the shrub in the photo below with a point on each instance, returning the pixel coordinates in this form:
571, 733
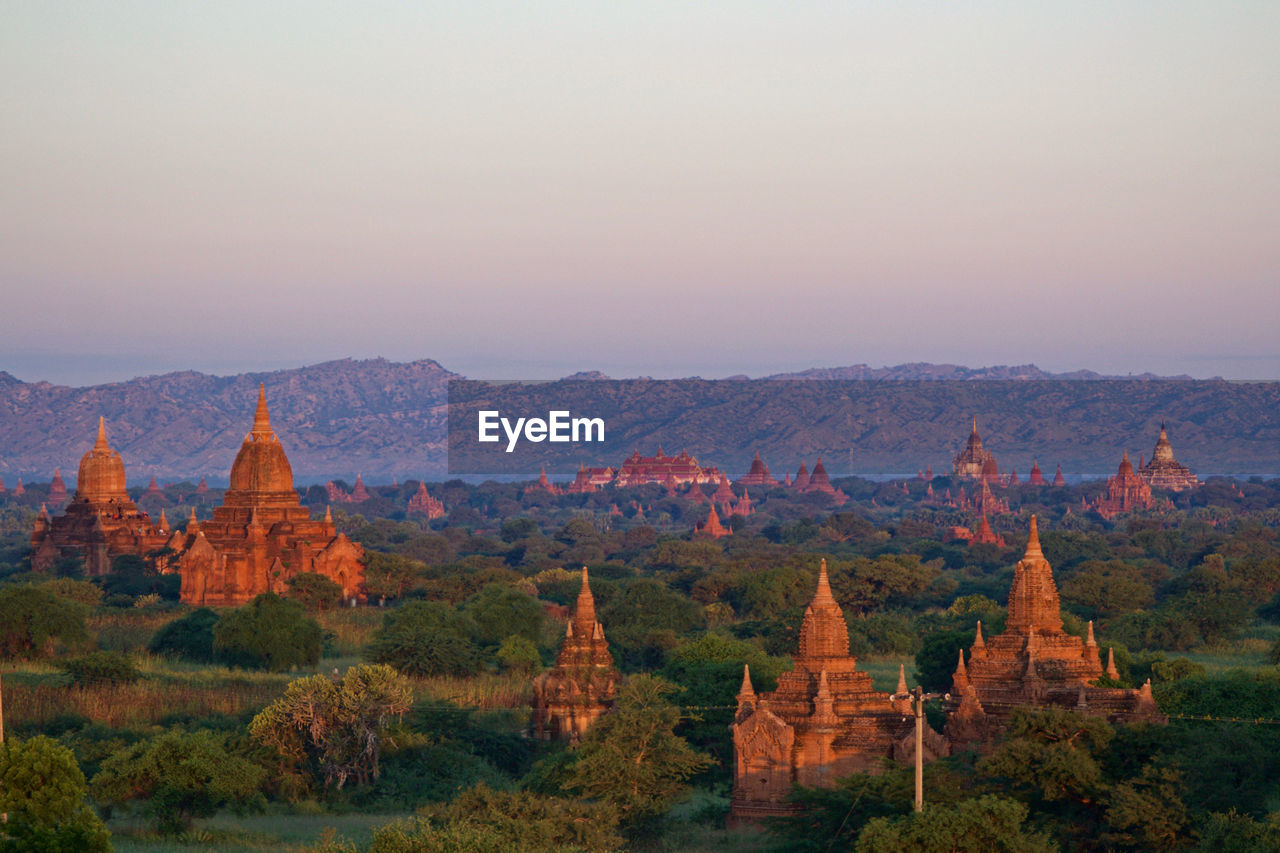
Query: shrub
181, 776
314, 591
500, 611
31, 619
100, 668
518, 654
426, 638
487, 821
42, 793
189, 638
269, 633
81, 592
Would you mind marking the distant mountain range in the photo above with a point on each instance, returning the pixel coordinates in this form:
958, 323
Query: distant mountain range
385, 419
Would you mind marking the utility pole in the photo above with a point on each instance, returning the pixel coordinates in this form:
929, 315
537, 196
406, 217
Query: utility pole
4, 818
917, 698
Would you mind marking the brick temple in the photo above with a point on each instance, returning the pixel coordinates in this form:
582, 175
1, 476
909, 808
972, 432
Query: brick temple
423, 503
1033, 662
101, 522
975, 462
1165, 472
758, 475
1126, 492
637, 470
824, 721
261, 535
581, 687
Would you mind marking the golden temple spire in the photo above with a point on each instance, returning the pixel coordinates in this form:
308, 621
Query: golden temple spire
746, 691
823, 594
1033, 543
261, 418
101, 443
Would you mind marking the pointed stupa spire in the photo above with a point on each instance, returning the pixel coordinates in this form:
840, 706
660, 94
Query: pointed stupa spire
1033, 543
823, 593
1089, 640
960, 667
823, 632
902, 681
193, 526
164, 522
328, 514
44, 512
261, 418
585, 615
1033, 599
977, 637
1112, 672
746, 692
101, 443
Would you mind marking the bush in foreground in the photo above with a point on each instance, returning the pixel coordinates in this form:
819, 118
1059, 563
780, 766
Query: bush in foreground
269, 633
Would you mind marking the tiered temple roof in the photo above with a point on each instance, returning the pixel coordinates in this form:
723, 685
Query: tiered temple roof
57, 489
1126, 492
987, 503
1058, 479
638, 470
986, 536
581, 687
723, 492
1034, 663
1165, 472
758, 475
153, 490
801, 481
824, 721
543, 485
261, 535
970, 463
711, 528
1036, 478
423, 503
359, 494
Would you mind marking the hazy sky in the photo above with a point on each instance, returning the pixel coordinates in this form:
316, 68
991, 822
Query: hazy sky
530, 189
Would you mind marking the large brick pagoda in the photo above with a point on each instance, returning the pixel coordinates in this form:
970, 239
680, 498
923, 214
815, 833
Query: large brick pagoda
261, 535
824, 721
581, 687
101, 522
1033, 662
1165, 472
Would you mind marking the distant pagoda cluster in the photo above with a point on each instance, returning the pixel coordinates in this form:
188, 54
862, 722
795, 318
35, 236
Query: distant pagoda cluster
1130, 490
683, 474
337, 495
259, 537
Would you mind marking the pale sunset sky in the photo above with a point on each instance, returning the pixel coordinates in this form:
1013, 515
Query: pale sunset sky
660, 188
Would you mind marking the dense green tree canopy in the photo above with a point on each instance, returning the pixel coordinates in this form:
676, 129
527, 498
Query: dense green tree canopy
269, 633
42, 792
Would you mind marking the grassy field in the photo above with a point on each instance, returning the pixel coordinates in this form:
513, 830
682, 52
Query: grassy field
251, 834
